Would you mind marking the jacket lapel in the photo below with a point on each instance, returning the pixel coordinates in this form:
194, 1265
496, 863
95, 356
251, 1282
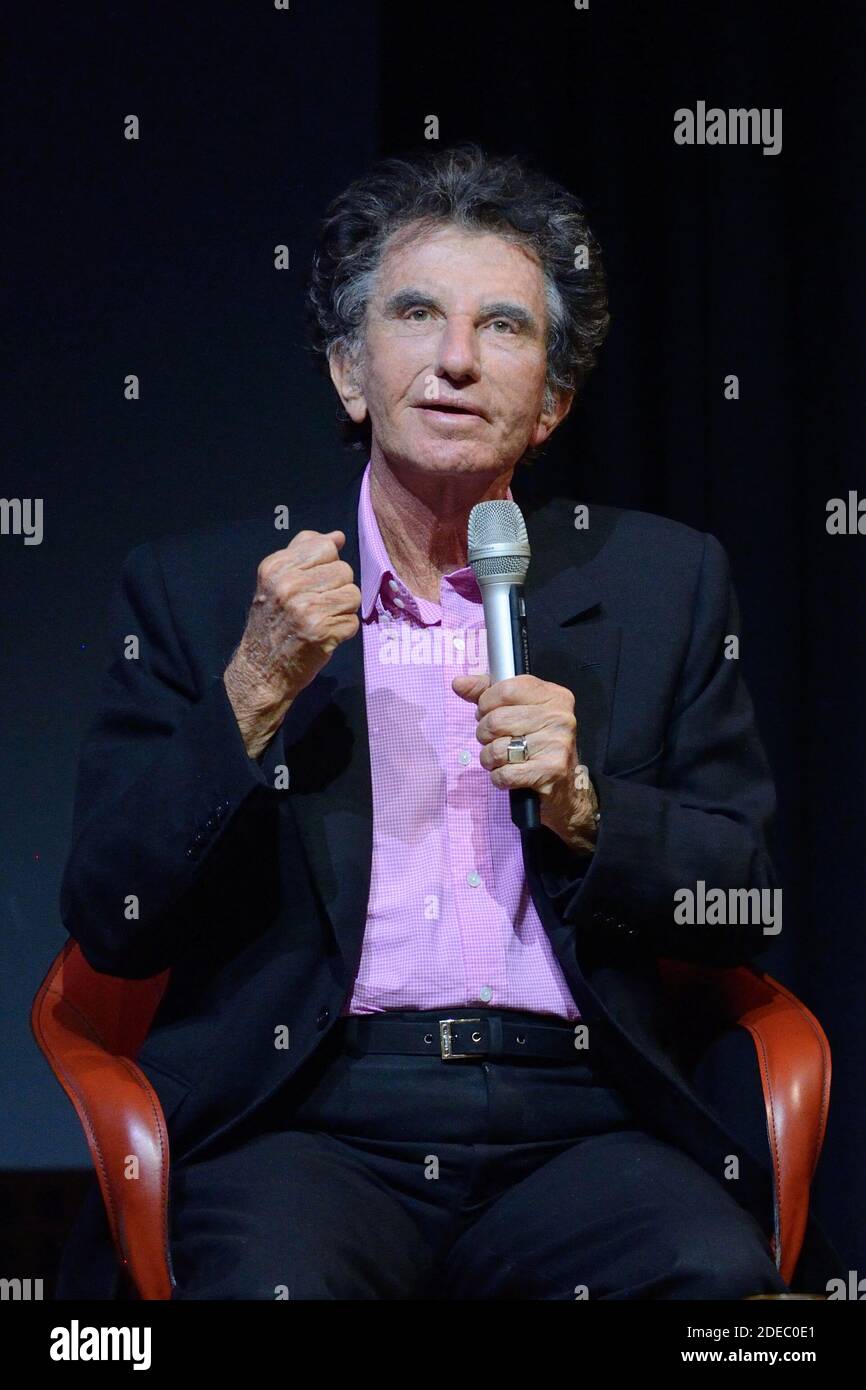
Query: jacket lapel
325, 733
573, 644
327, 750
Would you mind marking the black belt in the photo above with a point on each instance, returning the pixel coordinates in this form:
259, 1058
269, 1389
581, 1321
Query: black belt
460, 1034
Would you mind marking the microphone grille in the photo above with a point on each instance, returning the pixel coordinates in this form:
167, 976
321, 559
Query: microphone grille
497, 543
496, 521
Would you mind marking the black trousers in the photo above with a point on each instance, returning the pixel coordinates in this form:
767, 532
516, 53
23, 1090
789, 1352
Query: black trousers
387, 1176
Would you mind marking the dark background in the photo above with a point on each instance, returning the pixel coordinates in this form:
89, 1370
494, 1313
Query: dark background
156, 257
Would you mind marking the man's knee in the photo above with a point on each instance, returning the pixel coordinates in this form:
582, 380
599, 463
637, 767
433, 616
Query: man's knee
718, 1258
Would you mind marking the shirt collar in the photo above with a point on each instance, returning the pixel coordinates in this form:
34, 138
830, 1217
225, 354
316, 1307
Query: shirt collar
381, 586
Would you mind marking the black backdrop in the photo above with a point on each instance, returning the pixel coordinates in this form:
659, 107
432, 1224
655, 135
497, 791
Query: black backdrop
156, 257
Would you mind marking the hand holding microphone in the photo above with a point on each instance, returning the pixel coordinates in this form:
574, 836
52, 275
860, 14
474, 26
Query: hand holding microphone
517, 712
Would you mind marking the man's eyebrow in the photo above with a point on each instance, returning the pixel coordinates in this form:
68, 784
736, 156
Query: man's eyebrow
505, 309
403, 300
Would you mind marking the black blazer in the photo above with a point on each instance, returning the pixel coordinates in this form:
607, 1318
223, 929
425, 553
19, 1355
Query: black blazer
256, 897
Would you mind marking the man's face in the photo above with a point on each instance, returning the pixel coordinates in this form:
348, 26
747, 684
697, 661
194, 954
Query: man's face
454, 364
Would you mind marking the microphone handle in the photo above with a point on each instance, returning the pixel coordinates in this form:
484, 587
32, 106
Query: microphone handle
524, 802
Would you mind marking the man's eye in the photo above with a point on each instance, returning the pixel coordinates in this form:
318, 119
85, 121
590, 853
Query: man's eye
507, 323
419, 310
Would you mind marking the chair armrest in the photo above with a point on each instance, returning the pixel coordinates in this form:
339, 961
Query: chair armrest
125, 1130
795, 1068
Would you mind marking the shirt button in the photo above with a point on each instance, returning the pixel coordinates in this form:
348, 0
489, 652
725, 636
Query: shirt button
473, 878
464, 755
458, 643
398, 602
485, 993
392, 584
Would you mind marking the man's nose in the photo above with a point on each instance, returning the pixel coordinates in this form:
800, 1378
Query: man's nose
458, 349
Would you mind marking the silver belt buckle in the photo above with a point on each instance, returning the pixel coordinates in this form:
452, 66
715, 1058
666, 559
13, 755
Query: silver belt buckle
446, 1045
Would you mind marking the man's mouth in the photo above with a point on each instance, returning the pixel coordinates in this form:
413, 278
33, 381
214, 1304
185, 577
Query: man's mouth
451, 408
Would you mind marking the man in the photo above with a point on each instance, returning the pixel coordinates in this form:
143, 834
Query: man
315, 830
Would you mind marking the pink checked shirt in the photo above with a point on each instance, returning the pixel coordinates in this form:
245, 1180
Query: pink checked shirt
450, 920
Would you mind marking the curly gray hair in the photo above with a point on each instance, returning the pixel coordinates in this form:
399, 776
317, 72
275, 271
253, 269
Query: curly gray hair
471, 189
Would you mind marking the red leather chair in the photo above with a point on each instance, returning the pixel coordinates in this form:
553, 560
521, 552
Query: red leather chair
91, 1026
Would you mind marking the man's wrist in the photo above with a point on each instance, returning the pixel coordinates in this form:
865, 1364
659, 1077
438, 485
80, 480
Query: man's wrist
258, 712
581, 833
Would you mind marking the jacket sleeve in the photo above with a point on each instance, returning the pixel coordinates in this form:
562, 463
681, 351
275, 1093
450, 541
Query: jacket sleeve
706, 819
164, 788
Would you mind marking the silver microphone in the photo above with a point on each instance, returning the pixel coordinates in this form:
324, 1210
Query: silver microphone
498, 551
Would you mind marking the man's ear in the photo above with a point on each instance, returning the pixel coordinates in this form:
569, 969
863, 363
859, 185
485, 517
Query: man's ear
556, 406
345, 374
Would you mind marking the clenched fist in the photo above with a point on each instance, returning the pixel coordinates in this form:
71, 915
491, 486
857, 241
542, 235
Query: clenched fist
305, 604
